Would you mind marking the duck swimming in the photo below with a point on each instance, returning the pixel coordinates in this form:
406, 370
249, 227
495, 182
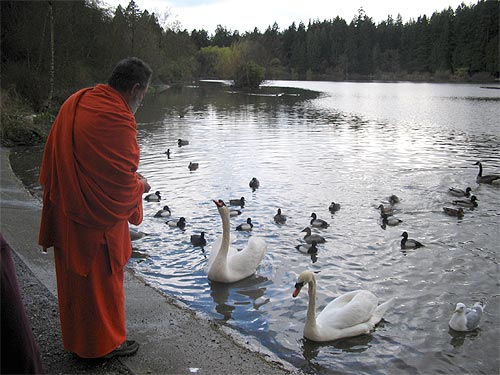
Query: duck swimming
237, 202
408, 243
487, 179
182, 142
245, 227
309, 238
164, 212
318, 223
198, 239
193, 166
385, 210
459, 192
308, 248
351, 314
454, 212
254, 184
471, 203
181, 223
279, 218
155, 197
334, 207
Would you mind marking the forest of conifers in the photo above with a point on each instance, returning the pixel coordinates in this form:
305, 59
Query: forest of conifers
50, 48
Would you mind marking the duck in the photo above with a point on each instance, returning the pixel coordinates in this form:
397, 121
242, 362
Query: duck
164, 212
237, 202
136, 234
309, 238
393, 199
391, 220
385, 210
254, 183
350, 314
459, 192
155, 197
279, 218
182, 142
233, 212
466, 319
193, 166
228, 265
318, 223
181, 223
471, 203
308, 248
488, 179
245, 227
334, 207
454, 212
408, 243
198, 239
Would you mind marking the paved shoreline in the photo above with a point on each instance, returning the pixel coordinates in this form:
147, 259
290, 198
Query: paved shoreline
173, 338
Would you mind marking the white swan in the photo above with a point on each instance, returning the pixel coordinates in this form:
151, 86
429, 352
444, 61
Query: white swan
351, 314
226, 264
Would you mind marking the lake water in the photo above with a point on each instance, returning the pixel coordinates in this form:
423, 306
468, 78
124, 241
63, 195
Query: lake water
311, 143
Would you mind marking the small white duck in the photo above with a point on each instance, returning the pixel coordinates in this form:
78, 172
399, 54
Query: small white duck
351, 314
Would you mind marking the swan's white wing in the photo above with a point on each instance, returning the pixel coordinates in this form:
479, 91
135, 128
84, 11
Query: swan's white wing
245, 262
353, 308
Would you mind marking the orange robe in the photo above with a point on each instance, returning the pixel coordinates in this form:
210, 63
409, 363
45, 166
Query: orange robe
91, 192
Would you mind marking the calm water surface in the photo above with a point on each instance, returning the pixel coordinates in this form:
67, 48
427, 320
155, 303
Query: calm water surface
311, 143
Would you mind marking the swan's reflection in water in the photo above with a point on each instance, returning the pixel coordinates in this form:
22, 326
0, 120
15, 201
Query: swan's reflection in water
357, 344
248, 292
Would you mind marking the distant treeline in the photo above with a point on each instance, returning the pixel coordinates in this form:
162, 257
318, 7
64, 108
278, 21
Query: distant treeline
50, 48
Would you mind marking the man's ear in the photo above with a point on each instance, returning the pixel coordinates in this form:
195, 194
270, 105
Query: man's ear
135, 89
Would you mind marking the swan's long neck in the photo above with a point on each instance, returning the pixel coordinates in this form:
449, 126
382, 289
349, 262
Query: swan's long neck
224, 247
311, 308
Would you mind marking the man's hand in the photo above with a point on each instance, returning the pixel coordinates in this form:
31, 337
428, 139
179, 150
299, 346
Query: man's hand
144, 181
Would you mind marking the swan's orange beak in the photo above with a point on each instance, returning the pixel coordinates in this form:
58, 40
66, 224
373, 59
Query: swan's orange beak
219, 203
298, 287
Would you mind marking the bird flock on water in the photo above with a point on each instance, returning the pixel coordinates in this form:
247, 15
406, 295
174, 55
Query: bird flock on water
351, 314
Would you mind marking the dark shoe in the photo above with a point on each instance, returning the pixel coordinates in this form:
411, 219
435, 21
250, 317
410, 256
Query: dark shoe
129, 347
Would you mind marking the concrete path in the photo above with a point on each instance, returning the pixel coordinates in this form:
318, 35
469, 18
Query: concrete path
173, 339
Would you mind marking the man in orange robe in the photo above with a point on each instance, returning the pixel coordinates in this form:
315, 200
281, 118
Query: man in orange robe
91, 191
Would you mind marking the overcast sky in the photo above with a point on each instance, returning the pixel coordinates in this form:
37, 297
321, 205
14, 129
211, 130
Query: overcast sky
244, 15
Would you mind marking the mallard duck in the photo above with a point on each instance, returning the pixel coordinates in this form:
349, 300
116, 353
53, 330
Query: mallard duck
488, 179
334, 207
245, 227
454, 212
254, 184
237, 202
198, 239
193, 166
464, 319
308, 248
164, 212
459, 192
318, 223
181, 223
226, 264
279, 218
407, 243
471, 203
155, 197
351, 314
182, 142
309, 238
